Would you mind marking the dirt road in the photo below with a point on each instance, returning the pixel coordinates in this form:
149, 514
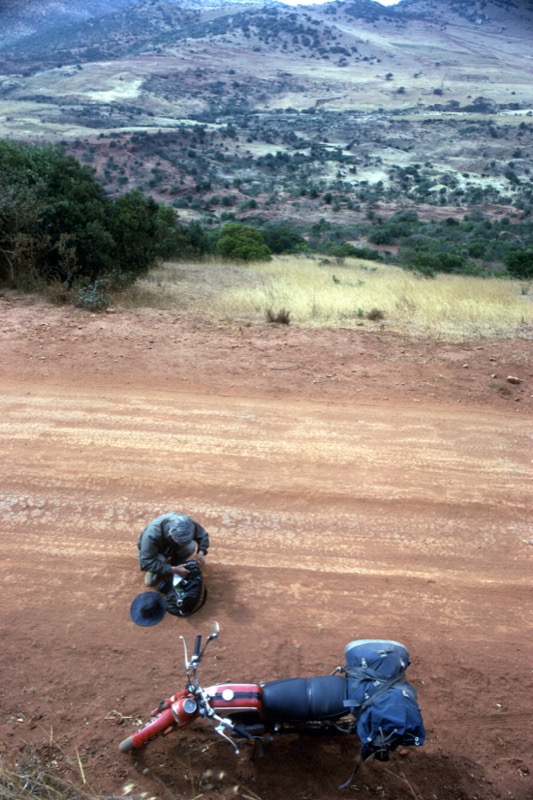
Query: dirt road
354, 486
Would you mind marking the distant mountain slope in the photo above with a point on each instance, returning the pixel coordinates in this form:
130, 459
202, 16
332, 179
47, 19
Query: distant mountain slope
157, 25
22, 19
317, 110
36, 27
443, 12
112, 34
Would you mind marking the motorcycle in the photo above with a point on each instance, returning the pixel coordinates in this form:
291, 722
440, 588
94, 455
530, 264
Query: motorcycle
368, 696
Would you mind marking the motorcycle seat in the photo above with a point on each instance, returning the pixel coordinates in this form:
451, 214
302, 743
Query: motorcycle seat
301, 699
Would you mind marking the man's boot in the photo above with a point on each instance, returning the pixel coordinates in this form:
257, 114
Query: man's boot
151, 578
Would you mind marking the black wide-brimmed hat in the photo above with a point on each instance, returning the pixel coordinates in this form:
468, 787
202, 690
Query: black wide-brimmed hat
148, 608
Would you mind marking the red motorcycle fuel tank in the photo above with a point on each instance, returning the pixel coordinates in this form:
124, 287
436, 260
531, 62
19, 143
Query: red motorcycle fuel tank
228, 699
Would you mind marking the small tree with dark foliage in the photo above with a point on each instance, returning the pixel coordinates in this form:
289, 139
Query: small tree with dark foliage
520, 263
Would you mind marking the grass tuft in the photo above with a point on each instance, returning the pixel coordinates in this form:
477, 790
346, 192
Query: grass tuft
281, 317
26, 777
28, 780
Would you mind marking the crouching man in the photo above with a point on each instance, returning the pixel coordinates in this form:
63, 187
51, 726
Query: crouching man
167, 543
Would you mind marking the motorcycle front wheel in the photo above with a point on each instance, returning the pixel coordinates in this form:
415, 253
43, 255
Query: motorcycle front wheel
149, 731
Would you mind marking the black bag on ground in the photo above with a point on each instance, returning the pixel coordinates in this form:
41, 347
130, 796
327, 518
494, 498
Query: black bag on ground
189, 594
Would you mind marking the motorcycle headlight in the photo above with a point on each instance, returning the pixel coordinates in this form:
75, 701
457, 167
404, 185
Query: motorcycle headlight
190, 706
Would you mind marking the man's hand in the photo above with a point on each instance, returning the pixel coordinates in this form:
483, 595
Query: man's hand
199, 557
183, 572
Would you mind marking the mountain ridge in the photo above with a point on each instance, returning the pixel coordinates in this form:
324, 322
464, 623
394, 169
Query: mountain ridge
275, 107
24, 20
33, 19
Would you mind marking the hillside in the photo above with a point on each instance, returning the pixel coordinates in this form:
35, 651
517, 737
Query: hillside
311, 112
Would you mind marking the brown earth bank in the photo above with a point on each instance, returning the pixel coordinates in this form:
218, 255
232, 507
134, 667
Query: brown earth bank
355, 484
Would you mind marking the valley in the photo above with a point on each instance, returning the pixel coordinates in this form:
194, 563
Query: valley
309, 112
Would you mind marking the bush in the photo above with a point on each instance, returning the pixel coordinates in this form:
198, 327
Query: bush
94, 297
242, 243
520, 263
281, 317
349, 251
134, 229
283, 237
429, 260
58, 227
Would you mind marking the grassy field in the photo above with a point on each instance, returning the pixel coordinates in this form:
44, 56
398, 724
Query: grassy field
318, 294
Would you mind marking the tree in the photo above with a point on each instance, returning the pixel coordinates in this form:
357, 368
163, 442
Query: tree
57, 224
169, 233
22, 238
520, 263
283, 237
242, 243
23, 243
134, 228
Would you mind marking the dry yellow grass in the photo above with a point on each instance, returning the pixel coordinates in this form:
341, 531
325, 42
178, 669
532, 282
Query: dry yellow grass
317, 295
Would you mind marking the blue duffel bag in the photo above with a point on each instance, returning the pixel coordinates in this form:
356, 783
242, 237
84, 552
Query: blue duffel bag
383, 703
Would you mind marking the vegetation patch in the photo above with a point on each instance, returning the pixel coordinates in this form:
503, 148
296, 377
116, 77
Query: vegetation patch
281, 317
28, 776
448, 307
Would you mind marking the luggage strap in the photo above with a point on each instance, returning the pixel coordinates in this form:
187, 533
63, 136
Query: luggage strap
363, 673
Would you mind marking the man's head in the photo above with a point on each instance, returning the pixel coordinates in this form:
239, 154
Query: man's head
180, 531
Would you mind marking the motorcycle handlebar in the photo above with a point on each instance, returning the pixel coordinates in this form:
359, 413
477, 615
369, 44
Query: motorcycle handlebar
197, 644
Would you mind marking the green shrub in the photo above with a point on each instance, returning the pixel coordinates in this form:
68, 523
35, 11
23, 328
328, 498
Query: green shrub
349, 251
520, 263
242, 243
94, 297
58, 227
283, 237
